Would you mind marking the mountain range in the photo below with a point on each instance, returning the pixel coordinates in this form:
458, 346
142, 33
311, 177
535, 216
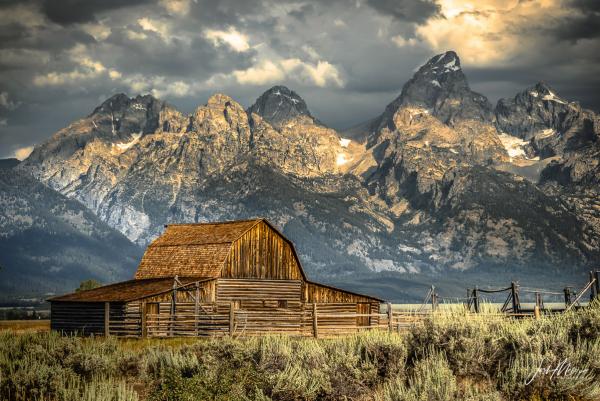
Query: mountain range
442, 187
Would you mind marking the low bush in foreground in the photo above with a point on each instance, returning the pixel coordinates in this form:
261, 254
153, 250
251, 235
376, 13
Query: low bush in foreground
453, 356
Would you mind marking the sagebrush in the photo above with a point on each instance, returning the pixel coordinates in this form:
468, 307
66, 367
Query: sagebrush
454, 356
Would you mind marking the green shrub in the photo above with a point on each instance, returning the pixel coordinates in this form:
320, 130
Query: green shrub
431, 380
453, 356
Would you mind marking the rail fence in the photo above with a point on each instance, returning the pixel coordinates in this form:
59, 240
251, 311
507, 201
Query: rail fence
224, 319
194, 319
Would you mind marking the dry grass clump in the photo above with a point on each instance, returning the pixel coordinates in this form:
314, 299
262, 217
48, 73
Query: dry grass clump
453, 356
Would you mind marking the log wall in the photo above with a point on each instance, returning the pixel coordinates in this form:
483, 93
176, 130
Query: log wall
268, 291
235, 318
82, 318
319, 293
262, 253
206, 289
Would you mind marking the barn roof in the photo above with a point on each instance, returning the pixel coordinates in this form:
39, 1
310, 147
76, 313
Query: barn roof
126, 291
196, 249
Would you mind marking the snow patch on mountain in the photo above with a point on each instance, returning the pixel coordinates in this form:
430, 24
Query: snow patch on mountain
124, 146
551, 96
547, 133
344, 142
360, 249
451, 66
341, 159
515, 147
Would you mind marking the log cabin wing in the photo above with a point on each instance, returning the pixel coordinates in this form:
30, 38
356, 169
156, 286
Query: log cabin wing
212, 279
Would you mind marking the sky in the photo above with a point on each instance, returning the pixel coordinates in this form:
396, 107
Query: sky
348, 59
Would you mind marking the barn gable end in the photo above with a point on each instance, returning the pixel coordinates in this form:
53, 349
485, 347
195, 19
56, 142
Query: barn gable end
263, 253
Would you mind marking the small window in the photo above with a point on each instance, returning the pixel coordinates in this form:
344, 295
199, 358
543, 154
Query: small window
282, 304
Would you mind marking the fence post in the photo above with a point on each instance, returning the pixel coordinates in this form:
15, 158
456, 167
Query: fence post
315, 322
197, 308
173, 309
567, 296
231, 317
513, 294
106, 319
433, 298
476, 299
390, 316
143, 319
468, 300
597, 283
538, 305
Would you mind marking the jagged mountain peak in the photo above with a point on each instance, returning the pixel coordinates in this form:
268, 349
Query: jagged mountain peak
441, 88
440, 64
121, 103
541, 86
538, 111
219, 99
278, 105
542, 91
440, 77
219, 103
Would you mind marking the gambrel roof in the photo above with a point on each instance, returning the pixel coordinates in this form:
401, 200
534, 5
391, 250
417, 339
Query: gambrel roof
196, 250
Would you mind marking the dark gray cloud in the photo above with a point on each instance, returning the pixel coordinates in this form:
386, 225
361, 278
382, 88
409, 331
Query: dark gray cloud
584, 23
407, 10
347, 58
585, 26
67, 12
190, 57
303, 12
586, 5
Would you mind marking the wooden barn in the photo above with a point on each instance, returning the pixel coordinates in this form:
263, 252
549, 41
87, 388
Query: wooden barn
226, 278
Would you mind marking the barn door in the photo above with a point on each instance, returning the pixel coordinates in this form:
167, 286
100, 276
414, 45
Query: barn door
151, 318
152, 308
363, 308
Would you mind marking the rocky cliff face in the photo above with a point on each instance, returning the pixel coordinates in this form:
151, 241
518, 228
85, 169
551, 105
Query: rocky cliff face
422, 194
565, 139
49, 243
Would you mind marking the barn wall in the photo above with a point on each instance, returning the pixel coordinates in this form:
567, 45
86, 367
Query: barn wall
258, 290
262, 253
322, 294
207, 293
77, 317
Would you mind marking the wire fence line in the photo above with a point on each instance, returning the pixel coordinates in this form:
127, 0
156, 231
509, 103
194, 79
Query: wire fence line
512, 303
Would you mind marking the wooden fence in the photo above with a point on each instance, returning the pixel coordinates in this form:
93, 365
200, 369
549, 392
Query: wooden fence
224, 319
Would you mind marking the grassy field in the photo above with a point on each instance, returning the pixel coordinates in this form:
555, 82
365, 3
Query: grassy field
453, 356
25, 325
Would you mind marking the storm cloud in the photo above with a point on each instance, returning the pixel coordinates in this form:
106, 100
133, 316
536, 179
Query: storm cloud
348, 59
